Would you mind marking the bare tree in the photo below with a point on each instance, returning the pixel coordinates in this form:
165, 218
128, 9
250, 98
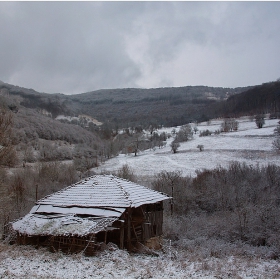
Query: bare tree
152, 128
84, 164
229, 124
18, 191
134, 146
137, 143
184, 134
259, 120
126, 172
177, 187
173, 132
174, 146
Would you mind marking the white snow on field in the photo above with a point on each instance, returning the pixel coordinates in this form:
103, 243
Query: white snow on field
27, 262
249, 144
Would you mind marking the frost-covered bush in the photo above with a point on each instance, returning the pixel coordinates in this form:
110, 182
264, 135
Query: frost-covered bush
240, 202
276, 142
127, 173
205, 133
229, 124
184, 134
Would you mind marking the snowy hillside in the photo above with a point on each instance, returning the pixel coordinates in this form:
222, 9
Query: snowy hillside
249, 144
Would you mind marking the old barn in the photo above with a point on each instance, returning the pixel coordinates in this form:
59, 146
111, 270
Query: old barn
94, 211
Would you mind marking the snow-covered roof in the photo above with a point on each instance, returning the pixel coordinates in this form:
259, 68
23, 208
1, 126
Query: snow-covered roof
34, 224
98, 212
104, 191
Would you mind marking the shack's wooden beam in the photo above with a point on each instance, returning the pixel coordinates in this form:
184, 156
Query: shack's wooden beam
122, 235
129, 246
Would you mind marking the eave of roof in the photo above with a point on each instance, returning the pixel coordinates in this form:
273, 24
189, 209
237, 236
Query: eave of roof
60, 225
95, 212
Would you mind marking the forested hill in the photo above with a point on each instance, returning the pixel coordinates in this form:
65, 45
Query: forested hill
260, 99
161, 106
128, 107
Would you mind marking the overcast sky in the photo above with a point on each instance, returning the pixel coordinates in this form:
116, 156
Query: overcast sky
75, 47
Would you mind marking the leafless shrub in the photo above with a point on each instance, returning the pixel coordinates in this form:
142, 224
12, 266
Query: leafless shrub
276, 145
185, 133
259, 120
18, 191
217, 131
229, 124
127, 173
200, 147
174, 146
205, 133
237, 203
21, 189
52, 176
177, 187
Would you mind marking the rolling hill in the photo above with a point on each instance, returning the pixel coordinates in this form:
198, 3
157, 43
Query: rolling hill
128, 107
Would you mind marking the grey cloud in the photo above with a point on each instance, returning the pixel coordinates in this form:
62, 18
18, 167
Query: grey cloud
79, 41
74, 47
239, 35
200, 23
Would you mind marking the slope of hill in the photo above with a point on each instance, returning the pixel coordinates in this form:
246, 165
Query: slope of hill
30, 125
249, 144
128, 107
161, 106
37, 136
261, 99
29, 98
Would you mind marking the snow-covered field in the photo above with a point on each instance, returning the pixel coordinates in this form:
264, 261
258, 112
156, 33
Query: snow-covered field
27, 262
249, 144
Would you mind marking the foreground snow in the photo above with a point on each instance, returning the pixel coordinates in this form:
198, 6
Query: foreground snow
27, 262
249, 144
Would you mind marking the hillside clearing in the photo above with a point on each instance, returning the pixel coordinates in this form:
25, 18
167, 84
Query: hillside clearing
249, 145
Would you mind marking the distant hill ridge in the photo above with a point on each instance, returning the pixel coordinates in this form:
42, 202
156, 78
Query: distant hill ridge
166, 106
151, 94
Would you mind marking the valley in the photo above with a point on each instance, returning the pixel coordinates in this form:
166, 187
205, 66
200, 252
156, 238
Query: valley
224, 221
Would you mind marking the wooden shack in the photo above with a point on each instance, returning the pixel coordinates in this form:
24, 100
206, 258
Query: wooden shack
94, 211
